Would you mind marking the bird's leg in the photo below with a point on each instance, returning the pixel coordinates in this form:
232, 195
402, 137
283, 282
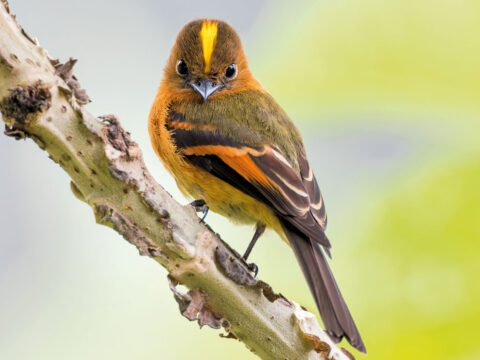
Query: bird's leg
259, 230
200, 206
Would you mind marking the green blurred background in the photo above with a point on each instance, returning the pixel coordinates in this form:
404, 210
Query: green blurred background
387, 94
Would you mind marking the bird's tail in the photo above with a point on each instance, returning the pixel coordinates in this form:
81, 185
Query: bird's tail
333, 310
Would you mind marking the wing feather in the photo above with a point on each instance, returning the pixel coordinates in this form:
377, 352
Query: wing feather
260, 171
317, 205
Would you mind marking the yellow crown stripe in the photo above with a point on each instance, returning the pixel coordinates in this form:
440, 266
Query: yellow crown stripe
208, 37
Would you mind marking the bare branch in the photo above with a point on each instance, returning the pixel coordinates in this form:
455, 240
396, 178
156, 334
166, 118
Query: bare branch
42, 100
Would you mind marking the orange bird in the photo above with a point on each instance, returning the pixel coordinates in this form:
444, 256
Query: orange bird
233, 148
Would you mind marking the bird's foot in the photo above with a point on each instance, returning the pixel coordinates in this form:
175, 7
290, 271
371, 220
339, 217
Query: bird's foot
253, 268
200, 206
17, 134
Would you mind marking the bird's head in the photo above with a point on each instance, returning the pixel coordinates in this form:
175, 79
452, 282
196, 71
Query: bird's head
207, 61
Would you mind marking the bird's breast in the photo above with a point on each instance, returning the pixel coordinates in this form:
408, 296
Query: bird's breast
196, 182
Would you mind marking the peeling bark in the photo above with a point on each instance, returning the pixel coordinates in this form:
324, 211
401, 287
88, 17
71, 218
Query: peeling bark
41, 99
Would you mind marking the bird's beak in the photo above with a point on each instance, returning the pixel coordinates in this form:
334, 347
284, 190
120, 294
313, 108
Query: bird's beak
205, 87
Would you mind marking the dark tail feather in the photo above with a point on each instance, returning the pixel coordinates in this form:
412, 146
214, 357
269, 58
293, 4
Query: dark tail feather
333, 310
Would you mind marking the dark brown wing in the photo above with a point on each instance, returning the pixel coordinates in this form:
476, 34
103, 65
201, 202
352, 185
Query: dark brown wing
259, 171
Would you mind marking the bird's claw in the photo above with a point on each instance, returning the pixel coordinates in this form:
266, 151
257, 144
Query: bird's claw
17, 134
253, 268
200, 206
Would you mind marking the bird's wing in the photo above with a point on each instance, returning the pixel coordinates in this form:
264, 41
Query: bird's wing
260, 171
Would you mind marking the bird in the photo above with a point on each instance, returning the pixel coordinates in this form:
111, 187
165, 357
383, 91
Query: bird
233, 149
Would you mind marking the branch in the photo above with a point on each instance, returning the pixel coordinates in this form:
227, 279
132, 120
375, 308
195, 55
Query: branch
41, 99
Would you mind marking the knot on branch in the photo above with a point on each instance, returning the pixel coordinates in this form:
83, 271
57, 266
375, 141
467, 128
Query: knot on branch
24, 102
233, 268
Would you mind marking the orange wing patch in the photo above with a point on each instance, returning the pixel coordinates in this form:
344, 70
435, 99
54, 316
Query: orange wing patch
237, 158
245, 166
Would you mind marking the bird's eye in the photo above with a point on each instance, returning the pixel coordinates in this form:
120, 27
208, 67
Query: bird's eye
231, 71
182, 68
